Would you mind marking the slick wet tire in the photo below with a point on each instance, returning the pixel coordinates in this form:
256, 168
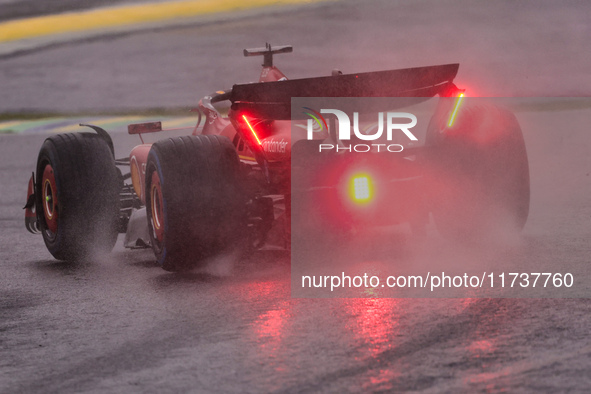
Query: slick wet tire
194, 200
77, 196
481, 174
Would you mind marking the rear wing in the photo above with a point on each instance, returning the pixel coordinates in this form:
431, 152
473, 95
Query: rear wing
272, 100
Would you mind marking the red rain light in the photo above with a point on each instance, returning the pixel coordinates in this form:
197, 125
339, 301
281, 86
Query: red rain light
252, 129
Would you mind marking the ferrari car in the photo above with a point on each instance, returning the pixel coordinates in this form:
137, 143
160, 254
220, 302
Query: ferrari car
229, 183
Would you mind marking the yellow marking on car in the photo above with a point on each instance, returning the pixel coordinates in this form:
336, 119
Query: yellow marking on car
455, 110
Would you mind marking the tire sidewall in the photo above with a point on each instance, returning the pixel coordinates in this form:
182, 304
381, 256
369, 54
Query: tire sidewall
87, 183
56, 241
159, 248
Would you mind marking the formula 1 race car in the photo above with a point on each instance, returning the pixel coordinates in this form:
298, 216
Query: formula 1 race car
230, 182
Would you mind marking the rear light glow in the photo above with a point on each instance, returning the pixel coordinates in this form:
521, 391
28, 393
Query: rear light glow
361, 188
452, 118
252, 130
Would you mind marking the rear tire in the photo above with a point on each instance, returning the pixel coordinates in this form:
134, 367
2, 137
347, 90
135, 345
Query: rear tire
194, 199
77, 196
482, 174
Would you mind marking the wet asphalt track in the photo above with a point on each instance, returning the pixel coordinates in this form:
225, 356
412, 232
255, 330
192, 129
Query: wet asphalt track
122, 324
